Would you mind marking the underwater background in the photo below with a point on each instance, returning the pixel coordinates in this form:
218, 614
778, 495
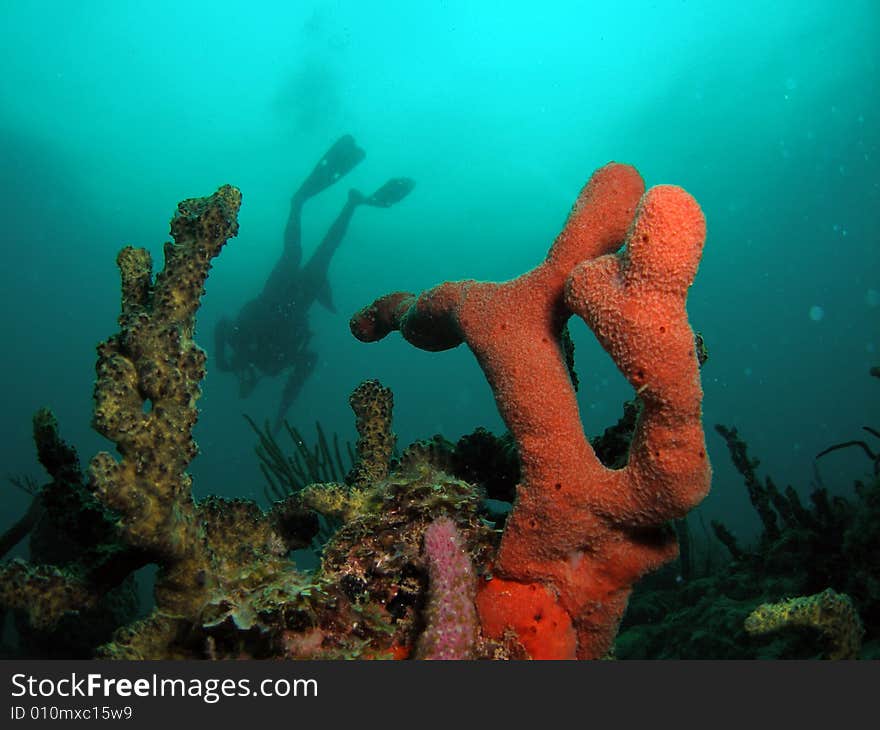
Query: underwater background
112, 112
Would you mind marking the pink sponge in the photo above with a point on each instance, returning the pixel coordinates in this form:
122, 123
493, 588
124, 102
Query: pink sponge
451, 616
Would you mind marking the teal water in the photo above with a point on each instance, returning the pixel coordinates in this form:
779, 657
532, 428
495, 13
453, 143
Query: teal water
112, 112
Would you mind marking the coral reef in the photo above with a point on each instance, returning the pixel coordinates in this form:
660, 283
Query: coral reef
581, 534
418, 563
421, 553
226, 586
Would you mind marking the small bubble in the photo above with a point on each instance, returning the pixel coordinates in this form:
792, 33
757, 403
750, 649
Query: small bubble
872, 298
817, 314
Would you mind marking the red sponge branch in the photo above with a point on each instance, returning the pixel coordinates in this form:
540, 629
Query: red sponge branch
580, 534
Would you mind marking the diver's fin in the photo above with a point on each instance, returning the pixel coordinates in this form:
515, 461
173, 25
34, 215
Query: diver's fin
324, 296
356, 197
339, 160
395, 190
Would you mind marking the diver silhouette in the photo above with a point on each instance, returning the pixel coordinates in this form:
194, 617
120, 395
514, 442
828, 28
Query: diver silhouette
271, 333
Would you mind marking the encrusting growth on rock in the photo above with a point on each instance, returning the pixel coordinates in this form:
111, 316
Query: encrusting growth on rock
829, 612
